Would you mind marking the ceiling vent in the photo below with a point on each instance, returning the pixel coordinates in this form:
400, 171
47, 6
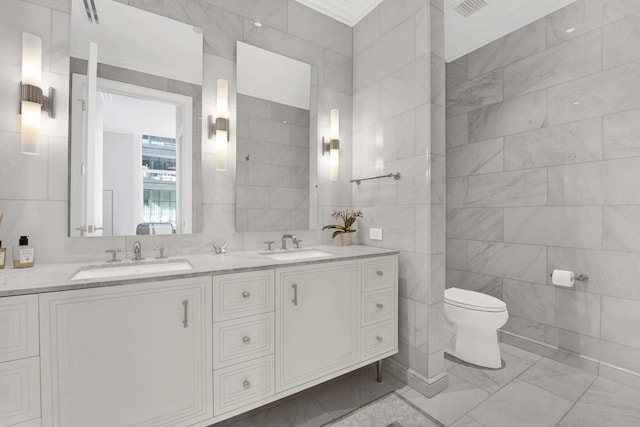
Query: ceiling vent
469, 7
92, 11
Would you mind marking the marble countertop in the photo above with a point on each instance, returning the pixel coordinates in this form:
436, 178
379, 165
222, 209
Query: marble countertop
57, 277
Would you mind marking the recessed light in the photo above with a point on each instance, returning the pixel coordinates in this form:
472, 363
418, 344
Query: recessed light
285, 122
258, 24
570, 30
576, 103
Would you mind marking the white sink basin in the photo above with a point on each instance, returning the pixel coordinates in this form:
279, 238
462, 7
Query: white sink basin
295, 254
114, 270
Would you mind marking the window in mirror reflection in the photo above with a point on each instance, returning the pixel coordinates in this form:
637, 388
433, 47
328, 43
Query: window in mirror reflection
159, 182
134, 184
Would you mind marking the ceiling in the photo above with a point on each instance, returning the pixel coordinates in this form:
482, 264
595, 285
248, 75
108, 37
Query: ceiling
462, 34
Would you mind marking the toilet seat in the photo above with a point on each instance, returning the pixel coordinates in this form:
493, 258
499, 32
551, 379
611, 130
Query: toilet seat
471, 300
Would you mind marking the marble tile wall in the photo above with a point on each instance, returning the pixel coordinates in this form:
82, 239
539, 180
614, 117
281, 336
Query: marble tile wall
272, 172
33, 190
543, 161
399, 126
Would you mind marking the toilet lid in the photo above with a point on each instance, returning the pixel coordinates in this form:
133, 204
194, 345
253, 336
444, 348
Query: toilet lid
473, 300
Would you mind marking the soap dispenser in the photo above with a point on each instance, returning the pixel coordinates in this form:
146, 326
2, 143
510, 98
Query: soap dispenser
23, 254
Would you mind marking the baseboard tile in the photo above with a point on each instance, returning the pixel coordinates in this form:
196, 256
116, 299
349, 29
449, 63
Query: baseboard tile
586, 363
426, 386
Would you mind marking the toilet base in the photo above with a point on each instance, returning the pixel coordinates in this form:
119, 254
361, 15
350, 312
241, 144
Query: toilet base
474, 345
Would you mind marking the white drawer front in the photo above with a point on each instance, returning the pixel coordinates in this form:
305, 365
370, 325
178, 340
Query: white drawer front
243, 339
242, 294
242, 384
378, 306
20, 384
379, 272
379, 339
18, 327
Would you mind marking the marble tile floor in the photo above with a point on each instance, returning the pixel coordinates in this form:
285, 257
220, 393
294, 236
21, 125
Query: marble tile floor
529, 390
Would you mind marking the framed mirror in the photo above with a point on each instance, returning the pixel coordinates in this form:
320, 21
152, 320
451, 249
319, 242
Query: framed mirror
273, 155
135, 122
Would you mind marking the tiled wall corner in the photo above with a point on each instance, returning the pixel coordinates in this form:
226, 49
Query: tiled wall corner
399, 126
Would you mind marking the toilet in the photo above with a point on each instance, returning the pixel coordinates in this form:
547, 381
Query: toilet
471, 331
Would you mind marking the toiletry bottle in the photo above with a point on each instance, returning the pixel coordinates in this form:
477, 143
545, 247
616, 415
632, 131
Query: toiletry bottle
23, 254
3, 256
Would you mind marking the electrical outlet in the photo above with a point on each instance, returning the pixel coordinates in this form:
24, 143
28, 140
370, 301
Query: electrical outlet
375, 233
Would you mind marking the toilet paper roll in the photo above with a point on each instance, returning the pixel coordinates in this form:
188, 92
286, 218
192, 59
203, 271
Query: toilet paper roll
563, 278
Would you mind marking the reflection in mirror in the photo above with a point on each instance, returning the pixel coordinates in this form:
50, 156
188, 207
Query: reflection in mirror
135, 130
273, 142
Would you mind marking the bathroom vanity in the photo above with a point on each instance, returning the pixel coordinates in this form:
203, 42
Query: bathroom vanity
190, 347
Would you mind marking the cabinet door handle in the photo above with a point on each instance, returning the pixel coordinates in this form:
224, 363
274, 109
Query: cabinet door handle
379, 338
380, 273
246, 339
246, 384
185, 321
295, 294
246, 294
380, 306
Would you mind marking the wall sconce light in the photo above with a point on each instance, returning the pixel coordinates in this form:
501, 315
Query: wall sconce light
220, 128
333, 146
32, 101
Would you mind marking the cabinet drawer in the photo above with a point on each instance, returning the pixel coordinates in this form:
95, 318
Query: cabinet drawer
18, 327
242, 294
243, 339
20, 386
242, 384
379, 272
378, 339
378, 306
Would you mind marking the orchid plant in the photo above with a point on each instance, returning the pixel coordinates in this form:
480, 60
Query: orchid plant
347, 217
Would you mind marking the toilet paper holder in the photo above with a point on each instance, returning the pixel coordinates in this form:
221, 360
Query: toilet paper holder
578, 277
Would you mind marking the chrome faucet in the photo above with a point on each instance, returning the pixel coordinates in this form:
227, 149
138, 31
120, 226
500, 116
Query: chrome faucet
137, 251
284, 239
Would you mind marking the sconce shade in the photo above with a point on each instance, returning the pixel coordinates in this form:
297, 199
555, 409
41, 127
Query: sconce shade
30, 123
31, 59
30, 92
334, 146
221, 126
222, 106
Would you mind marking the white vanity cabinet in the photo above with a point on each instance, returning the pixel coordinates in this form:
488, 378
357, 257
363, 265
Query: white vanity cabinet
127, 355
317, 313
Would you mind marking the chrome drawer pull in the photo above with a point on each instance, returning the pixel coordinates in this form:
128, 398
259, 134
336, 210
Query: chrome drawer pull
246, 384
380, 273
380, 306
185, 320
246, 294
246, 339
295, 294
379, 339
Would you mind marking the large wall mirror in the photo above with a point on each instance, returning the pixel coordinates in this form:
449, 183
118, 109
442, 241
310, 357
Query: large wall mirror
273, 166
135, 122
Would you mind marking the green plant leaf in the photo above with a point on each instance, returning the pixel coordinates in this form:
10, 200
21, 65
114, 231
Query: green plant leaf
332, 226
336, 233
349, 222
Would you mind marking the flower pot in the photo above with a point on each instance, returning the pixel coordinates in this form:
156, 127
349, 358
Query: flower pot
346, 239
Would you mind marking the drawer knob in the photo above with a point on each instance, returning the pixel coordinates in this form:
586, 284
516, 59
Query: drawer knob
380, 306
379, 338
246, 294
380, 273
246, 339
246, 384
